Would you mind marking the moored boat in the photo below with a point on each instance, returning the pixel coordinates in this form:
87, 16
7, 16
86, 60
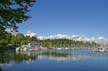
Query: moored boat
99, 49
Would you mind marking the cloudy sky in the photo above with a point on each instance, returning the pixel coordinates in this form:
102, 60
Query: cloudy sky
70, 17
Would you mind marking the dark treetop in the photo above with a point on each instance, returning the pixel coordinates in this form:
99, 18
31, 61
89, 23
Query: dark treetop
13, 12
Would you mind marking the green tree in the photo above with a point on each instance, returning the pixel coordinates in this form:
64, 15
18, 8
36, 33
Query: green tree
5, 38
19, 38
13, 12
27, 39
13, 40
34, 39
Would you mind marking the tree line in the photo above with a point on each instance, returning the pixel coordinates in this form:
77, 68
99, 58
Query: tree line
9, 40
66, 43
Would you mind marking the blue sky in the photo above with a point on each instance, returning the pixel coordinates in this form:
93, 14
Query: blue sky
70, 17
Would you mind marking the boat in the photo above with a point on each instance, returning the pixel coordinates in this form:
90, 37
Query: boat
102, 50
99, 49
59, 48
66, 48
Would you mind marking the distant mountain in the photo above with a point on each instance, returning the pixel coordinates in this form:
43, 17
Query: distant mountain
100, 40
29, 33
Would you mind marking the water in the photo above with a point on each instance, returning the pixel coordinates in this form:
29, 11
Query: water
54, 60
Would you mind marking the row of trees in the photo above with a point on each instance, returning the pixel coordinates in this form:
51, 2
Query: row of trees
66, 43
9, 40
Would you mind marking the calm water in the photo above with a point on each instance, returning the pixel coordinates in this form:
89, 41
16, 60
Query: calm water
54, 60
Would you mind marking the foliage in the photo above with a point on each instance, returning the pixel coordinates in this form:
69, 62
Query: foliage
8, 39
13, 12
66, 43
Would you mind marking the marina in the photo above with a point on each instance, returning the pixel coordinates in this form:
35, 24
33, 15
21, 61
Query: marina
29, 47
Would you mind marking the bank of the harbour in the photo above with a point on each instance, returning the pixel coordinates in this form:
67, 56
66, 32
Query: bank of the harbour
21, 42
9, 41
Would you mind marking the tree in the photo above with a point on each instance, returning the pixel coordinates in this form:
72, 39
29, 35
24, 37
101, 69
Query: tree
13, 40
5, 38
34, 39
19, 38
27, 39
13, 12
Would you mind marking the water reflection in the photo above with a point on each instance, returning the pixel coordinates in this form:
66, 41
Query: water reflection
12, 57
0, 68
